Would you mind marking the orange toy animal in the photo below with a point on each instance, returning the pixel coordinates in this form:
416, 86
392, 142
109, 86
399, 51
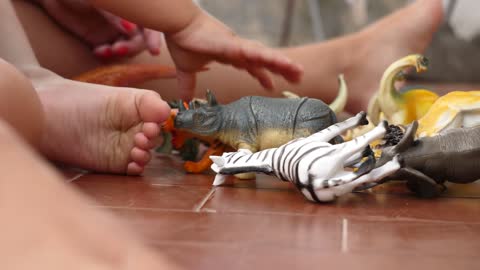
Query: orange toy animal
132, 74
127, 74
180, 138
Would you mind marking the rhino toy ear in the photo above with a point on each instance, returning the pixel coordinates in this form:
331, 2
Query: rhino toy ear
212, 101
408, 138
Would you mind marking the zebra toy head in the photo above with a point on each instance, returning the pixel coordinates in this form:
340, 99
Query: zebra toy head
320, 170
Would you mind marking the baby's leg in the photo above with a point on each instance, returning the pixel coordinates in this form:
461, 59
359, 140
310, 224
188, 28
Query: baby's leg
48, 225
20, 106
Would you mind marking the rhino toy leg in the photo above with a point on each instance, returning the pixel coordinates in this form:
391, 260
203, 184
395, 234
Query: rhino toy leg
242, 147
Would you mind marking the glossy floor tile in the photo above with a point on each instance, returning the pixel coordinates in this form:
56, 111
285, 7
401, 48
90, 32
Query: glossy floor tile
366, 205
195, 256
331, 234
265, 223
134, 192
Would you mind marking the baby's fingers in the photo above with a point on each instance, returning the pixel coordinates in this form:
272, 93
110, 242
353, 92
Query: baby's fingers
261, 56
262, 76
121, 48
130, 47
103, 51
186, 84
122, 25
154, 41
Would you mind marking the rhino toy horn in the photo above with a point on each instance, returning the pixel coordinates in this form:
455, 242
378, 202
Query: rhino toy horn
192, 105
212, 101
181, 106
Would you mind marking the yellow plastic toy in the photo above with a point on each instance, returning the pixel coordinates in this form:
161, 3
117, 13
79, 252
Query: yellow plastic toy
453, 110
434, 114
401, 108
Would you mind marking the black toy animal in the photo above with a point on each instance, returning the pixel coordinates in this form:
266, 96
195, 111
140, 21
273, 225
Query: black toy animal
428, 162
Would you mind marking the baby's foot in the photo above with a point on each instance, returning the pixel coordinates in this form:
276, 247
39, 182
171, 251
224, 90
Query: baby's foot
409, 30
97, 127
48, 225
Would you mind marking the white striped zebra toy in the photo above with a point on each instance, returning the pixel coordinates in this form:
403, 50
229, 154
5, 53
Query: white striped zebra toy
316, 167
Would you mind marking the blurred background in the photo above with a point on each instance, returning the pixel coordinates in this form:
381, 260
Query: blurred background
454, 54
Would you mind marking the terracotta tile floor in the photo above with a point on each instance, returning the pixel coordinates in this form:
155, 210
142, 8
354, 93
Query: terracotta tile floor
266, 224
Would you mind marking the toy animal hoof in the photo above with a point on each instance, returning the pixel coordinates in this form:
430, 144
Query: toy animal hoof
424, 189
363, 120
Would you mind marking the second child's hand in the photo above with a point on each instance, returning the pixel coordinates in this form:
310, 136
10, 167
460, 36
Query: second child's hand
109, 35
206, 39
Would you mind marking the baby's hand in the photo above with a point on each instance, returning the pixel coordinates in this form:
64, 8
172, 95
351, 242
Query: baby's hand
109, 35
206, 39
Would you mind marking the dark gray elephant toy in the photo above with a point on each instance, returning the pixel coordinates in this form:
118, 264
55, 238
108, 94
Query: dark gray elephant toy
429, 162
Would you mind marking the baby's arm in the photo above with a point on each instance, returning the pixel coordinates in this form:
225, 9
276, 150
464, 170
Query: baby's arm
162, 15
195, 38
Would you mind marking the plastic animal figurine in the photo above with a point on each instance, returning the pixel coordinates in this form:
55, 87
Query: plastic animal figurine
398, 107
126, 75
316, 167
401, 107
182, 138
257, 123
454, 110
435, 114
428, 162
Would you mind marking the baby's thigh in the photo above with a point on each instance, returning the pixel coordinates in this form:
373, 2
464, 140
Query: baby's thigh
20, 106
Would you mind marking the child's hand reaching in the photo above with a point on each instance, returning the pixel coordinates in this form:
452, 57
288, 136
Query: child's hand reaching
109, 35
206, 39
194, 38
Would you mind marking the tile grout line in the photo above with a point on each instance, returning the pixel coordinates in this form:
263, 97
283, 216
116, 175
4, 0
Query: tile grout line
76, 177
140, 208
198, 207
344, 235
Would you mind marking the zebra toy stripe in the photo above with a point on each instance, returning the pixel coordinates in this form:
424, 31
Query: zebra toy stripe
316, 167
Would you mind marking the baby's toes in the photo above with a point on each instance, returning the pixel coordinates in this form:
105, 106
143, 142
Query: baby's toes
134, 169
151, 130
140, 156
151, 107
148, 137
141, 141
